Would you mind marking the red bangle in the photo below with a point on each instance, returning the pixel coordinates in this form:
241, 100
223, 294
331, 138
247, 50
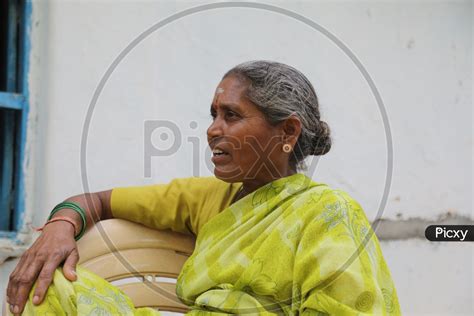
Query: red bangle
56, 219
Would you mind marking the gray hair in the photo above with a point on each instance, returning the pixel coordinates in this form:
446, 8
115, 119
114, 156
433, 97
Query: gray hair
280, 91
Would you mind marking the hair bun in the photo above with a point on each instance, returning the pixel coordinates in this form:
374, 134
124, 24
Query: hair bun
322, 141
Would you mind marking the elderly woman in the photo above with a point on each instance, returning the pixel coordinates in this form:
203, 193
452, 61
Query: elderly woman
269, 239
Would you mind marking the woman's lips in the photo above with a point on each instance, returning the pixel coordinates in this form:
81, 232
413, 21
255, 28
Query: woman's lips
220, 158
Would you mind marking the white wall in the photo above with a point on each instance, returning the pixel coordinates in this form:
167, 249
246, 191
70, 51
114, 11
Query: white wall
419, 54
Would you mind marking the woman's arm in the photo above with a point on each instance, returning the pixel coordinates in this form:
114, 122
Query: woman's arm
54, 246
96, 205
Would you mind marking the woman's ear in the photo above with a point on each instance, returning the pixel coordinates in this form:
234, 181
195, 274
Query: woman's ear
291, 130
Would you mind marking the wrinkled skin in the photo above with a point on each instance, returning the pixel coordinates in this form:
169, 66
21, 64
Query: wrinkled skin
252, 145
54, 246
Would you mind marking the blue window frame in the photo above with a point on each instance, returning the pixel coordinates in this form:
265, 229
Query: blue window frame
15, 28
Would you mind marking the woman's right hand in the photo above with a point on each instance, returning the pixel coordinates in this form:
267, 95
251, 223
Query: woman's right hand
54, 246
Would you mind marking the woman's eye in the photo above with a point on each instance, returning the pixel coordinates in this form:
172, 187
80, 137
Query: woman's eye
231, 114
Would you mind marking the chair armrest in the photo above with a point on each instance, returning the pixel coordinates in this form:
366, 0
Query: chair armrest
117, 234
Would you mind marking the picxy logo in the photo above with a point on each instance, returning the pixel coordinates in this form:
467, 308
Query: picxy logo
450, 233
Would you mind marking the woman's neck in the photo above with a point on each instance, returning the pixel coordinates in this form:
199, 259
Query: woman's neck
250, 185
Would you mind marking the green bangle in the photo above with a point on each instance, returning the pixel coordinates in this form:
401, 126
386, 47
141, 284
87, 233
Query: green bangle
75, 207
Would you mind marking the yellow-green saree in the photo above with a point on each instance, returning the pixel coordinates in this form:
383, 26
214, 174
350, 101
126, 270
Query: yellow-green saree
291, 247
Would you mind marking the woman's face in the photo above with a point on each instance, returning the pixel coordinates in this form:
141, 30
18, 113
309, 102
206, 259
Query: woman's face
246, 148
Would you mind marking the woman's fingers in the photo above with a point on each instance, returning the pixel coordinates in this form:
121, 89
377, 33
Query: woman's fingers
69, 267
15, 282
44, 280
42, 259
11, 287
22, 281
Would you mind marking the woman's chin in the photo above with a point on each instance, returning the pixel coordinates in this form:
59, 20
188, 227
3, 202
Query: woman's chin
228, 174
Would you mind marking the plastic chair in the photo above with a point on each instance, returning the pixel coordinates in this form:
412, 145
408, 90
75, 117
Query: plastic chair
142, 262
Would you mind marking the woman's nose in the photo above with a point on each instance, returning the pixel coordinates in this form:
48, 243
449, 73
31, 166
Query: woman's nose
215, 129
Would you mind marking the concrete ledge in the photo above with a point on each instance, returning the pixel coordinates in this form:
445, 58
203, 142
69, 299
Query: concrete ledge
387, 229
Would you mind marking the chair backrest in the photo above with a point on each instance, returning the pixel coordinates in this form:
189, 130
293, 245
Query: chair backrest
141, 261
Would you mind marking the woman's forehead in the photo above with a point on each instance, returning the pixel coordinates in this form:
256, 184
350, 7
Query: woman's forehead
229, 90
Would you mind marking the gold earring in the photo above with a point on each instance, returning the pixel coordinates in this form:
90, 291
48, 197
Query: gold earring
287, 148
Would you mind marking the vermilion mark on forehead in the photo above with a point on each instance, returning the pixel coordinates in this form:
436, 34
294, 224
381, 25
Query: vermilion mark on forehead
219, 91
